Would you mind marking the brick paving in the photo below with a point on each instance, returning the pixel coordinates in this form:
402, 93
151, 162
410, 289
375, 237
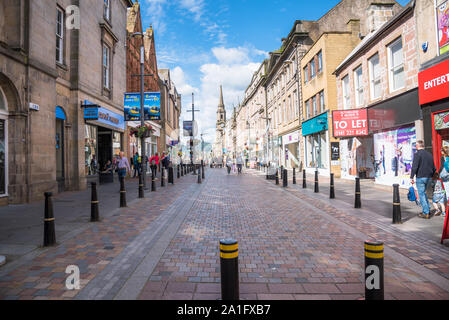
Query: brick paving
293, 244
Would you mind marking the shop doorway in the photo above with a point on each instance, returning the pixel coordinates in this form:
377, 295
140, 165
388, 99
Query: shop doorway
60, 176
104, 146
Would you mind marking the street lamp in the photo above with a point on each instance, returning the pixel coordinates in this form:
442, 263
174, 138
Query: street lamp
142, 111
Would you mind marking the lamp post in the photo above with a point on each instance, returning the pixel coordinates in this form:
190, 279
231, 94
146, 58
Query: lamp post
142, 106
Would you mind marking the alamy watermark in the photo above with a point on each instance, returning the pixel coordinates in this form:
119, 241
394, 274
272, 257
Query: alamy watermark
73, 280
73, 18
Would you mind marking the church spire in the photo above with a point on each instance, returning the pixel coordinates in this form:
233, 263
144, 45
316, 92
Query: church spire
221, 103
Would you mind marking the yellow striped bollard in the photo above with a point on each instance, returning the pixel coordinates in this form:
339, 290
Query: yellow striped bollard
229, 262
374, 270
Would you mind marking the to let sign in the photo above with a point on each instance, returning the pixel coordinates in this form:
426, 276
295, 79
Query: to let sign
350, 123
434, 83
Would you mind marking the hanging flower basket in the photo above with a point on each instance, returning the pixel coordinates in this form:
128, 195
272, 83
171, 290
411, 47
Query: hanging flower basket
141, 132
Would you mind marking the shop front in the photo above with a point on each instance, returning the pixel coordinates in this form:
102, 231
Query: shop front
104, 130
434, 100
316, 144
290, 144
356, 146
393, 125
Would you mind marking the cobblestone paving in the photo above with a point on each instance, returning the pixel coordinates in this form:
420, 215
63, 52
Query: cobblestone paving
92, 250
287, 250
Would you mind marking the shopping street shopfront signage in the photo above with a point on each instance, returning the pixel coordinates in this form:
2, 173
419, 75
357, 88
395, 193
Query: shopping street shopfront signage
350, 123
103, 117
315, 125
434, 83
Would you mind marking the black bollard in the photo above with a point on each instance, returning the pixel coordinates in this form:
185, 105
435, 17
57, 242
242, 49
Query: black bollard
182, 170
94, 214
162, 177
374, 270
171, 178
358, 194
49, 222
317, 187
294, 175
277, 177
199, 175
229, 265
153, 182
141, 192
397, 218
304, 179
202, 170
285, 178
178, 172
332, 187
282, 172
122, 193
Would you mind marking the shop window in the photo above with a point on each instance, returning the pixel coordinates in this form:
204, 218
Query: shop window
396, 65
375, 80
117, 143
358, 86
90, 149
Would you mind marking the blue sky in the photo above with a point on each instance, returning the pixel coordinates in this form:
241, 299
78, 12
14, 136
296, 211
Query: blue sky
206, 43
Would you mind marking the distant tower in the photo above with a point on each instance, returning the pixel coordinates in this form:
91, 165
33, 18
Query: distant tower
221, 125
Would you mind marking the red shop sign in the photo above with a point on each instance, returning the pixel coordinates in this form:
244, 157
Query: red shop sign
434, 83
350, 123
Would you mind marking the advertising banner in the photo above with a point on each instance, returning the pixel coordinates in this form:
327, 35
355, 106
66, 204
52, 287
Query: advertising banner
443, 27
350, 123
152, 106
394, 151
441, 120
188, 128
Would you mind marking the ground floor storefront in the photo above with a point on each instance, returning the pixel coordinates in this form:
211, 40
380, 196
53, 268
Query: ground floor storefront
290, 150
316, 141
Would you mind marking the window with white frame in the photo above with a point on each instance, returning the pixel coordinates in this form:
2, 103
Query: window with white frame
374, 77
106, 66
295, 103
59, 36
396, 65
320, 61
314, 105
346, 96
322, 104
358, 86
107, 9
307, 106
306, 74
312, 69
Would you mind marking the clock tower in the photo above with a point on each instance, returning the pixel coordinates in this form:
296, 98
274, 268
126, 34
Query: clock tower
221, 125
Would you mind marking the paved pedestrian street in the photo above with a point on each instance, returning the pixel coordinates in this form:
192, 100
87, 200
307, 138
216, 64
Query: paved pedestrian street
293, 245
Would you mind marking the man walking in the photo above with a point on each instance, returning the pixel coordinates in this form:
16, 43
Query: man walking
123, 165
423, 168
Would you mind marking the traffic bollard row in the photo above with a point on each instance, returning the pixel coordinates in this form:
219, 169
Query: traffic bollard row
229, 265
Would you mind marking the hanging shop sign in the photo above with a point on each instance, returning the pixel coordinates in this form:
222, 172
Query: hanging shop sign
434, 83
350, 123
152, 106
335, 151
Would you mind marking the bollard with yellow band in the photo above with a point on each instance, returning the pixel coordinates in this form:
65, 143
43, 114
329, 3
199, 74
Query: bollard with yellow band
122, 193
94, 214
374, 270
49, 222
332, 187
397, 217
358, 194
141, 192
229, 262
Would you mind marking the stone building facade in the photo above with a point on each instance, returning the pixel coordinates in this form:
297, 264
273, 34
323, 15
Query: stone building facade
377, 87
46, 79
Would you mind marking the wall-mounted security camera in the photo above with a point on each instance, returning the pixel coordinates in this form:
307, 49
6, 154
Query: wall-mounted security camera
425, 46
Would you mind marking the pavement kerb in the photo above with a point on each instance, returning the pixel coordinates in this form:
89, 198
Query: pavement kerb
426, 273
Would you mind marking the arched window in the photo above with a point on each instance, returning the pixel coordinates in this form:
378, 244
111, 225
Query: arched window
3, 105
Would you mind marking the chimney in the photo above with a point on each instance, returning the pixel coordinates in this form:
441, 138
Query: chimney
379, 13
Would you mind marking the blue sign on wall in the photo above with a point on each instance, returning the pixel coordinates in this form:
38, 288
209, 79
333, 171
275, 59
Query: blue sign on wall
103, 116
152, 106
314, 125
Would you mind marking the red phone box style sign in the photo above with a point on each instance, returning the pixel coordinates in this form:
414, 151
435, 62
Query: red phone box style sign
350, 123
434, 83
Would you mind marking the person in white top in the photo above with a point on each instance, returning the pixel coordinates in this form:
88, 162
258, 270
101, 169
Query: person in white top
239, 164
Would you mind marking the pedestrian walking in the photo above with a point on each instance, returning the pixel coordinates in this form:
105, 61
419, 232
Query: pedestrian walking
154, 162
229, 164
239, 164
439, 195
444, 169
135, 161
424, 169
123, 166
